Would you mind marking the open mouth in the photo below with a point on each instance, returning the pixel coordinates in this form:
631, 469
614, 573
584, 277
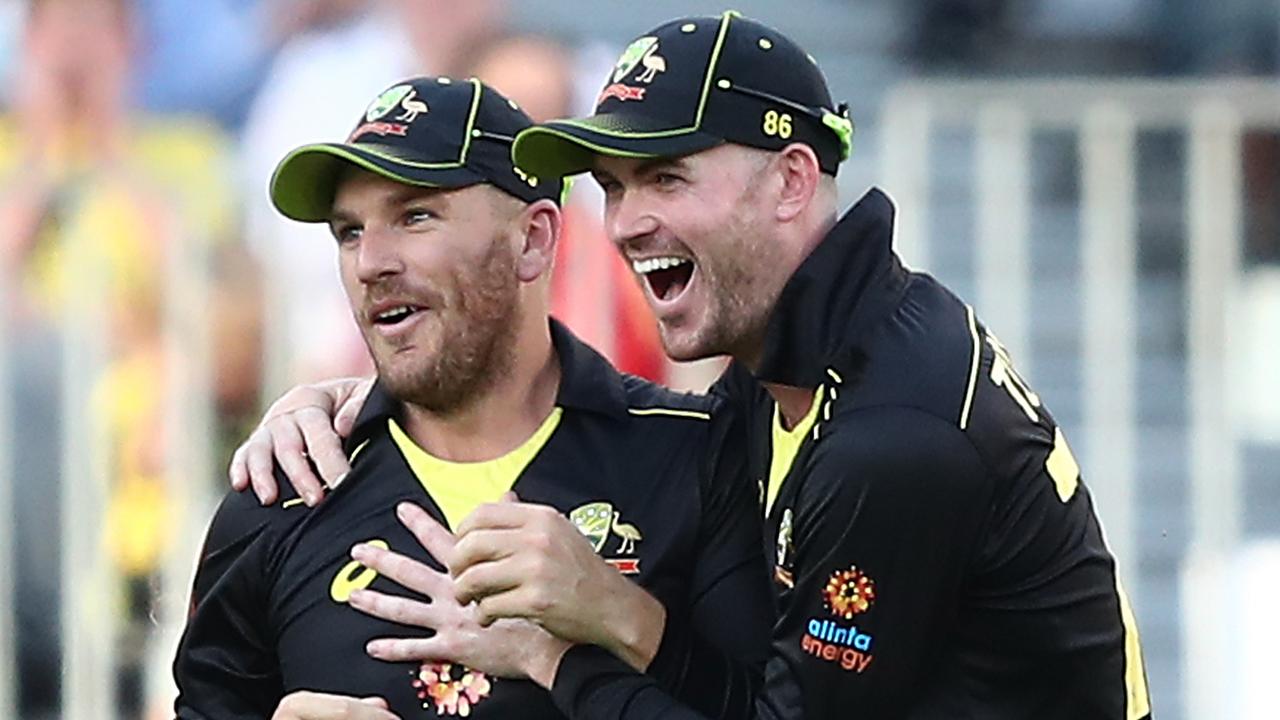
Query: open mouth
667, 276
396, 317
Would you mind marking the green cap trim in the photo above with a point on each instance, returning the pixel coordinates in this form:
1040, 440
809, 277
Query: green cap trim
476, 90
843, 128
566, 186
560, 159
294, 198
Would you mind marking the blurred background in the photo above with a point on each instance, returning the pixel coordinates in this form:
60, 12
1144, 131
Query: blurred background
1100, 178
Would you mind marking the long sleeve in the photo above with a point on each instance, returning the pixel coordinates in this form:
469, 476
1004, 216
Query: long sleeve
226, 667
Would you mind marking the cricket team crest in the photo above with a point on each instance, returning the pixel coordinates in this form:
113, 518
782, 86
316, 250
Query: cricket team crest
596, 521
402, 96
643, 51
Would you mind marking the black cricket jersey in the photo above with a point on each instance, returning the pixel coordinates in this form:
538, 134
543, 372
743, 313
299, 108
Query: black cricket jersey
935, 553
654, 479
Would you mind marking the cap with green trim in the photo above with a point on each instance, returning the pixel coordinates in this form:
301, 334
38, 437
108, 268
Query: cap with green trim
694, 83
432, 132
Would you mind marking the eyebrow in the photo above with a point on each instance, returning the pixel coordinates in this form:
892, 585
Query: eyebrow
401, 197
658, 163
645, 167
337, 216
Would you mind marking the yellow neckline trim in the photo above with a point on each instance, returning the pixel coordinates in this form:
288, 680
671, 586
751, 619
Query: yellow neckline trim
786, 445
459, 487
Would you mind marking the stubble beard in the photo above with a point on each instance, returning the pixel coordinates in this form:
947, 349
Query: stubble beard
741, 293
476, 339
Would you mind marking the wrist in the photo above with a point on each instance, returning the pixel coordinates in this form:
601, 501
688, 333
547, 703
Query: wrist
545, 660
637, 627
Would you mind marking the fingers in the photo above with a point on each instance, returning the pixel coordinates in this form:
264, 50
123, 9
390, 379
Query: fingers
486, 579
345, 419
316, 395
258, 458
405, 611
306, 705
322, 443
409, 649
503, 515
238, 472
488, 546
433, 536
522, 602
406, 571
291, 454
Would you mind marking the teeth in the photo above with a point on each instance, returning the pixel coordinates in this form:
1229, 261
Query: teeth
400, 310
648, 265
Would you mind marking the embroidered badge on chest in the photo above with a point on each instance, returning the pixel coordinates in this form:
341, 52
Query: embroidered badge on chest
600, 523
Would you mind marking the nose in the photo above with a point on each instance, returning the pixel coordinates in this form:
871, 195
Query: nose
378, 256
627, 219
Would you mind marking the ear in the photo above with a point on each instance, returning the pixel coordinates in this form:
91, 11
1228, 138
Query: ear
801, 173
540, 224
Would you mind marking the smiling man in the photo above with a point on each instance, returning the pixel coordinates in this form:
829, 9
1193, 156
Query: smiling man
935, 552
445, 251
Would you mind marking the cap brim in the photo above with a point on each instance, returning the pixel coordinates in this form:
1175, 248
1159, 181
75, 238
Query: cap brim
304, 183
567, 147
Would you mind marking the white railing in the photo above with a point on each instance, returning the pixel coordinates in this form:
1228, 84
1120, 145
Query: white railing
1106, 116
92, 607
8, 564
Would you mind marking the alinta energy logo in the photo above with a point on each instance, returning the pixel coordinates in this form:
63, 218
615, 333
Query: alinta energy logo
847, 594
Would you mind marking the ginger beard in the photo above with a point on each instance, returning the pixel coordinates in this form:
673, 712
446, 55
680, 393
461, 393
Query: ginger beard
464, 342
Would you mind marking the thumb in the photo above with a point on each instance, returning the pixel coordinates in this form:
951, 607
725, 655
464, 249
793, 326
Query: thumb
509, 496
344, 419
376, 701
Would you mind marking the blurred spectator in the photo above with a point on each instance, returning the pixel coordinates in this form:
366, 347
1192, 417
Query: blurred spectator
204, 57
342, 53
87, 179
593, 290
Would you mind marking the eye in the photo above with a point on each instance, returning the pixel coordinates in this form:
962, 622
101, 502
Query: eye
346, 234
667, 180
608, 185
417, 216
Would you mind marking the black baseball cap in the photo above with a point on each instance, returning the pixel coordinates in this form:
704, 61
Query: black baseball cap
694, 83
427, 131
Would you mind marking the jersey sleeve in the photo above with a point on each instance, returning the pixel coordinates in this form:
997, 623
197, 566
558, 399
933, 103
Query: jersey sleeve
713, 651
880, 553
226, 666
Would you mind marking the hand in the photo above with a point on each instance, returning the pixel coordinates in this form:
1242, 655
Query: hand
305, 705
518, 560
507, 648
295, 425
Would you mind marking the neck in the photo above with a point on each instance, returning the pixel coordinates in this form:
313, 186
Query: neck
793, 402
751, 345
502, 417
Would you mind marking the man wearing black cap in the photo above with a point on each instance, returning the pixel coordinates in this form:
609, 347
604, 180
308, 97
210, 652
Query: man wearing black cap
935, 552
445, 253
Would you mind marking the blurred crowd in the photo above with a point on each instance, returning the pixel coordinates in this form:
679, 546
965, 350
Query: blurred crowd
135, 153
